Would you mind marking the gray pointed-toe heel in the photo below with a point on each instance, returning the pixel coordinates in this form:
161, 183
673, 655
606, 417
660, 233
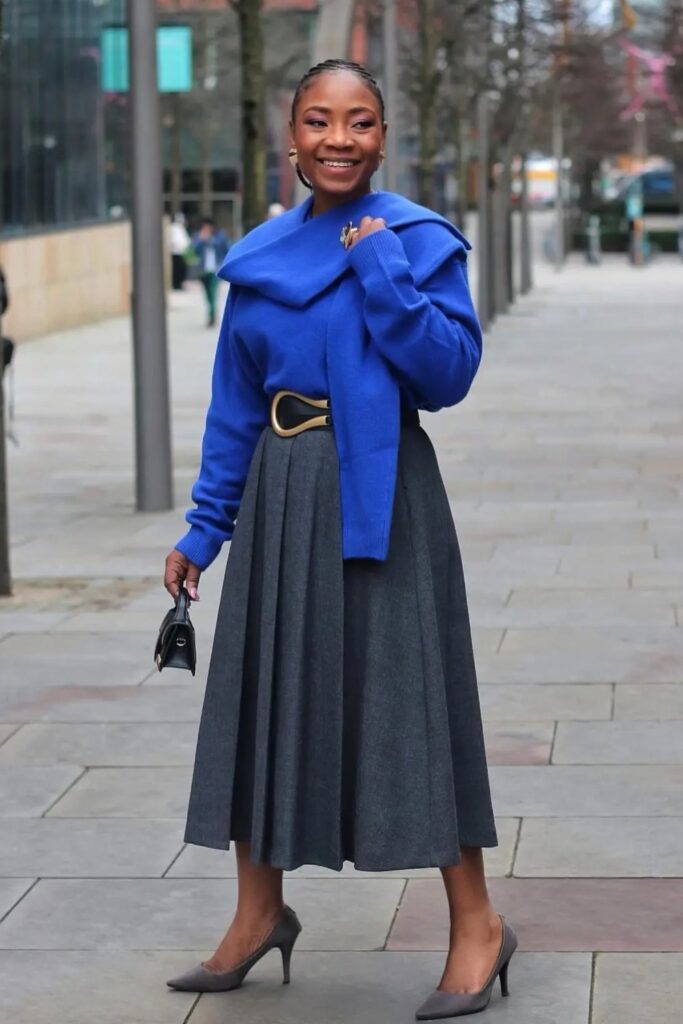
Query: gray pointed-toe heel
202, 979
456, 1004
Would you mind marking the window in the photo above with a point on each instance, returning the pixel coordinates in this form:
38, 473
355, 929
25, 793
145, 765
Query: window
63, 141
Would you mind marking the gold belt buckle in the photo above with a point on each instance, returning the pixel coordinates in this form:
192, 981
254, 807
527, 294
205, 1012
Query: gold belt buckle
314, 421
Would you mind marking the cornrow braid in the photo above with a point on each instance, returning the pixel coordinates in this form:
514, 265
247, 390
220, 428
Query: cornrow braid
337, 64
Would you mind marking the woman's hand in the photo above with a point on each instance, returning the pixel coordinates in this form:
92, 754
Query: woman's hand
368, 226
178, 570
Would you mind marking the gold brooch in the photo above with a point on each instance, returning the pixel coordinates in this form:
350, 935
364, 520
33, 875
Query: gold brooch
348, 233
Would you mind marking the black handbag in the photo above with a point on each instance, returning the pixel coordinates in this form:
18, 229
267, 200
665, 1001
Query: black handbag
175, 646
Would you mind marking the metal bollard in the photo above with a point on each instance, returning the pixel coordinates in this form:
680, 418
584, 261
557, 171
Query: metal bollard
593, 246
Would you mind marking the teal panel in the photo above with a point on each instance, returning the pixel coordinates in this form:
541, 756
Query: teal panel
174, 59
115, 60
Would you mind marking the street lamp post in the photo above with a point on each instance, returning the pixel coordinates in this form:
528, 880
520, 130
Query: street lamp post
154, 475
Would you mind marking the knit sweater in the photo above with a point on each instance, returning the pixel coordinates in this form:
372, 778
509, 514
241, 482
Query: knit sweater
388, 323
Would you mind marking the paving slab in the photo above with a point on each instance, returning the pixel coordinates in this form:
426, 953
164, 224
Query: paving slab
545, 701
11, 891
589, 557
21, 621
606, 655
202, 862
125, 793
27, 791
56, 659
600, 848
611, 914
103, 744
91, 848
535, 608
632, 987
663, 575
51, 987
648, 701
616, 743
583, 791
73, 559
6, 731
518, 742
386, 988
192, 914
487, 576
99, 704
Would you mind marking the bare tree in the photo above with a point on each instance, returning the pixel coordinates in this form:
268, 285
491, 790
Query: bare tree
428, 85
253, 104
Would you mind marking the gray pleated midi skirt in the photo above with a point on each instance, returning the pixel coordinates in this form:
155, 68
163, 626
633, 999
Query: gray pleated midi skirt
341, 719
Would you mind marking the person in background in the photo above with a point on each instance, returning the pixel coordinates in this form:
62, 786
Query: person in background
274, 210
180, 242
211, 246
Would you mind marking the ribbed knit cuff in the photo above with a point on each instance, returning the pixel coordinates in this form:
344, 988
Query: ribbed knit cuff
199, 547
381, 247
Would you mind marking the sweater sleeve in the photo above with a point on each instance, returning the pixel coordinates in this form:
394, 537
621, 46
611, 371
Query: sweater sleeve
238, 411
430, 335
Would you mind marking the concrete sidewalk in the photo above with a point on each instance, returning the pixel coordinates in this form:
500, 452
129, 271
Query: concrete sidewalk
565, 471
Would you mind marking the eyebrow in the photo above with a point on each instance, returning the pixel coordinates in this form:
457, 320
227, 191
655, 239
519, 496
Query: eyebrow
353, 110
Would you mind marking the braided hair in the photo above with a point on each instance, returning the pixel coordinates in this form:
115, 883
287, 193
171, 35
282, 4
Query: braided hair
335, 64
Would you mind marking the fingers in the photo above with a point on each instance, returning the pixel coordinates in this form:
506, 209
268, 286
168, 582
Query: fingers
192, 581
368, 226
175, 572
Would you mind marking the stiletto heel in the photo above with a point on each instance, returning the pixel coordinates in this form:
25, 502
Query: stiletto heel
282, 937
286, 951
504, 991
457, 1004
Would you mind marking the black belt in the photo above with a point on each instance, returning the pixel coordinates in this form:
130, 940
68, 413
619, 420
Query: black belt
291, 413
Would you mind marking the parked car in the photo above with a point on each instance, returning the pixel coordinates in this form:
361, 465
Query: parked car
661, 213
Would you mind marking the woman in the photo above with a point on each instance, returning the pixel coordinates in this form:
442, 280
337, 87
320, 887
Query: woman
341, 719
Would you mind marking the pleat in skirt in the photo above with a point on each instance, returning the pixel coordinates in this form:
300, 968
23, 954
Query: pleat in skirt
341, 719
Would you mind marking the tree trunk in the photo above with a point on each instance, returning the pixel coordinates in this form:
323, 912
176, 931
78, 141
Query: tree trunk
426, 101
591, 166
5, 578
463, 171
253, 99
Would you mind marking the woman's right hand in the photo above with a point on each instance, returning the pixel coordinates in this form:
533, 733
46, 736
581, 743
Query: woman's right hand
180, 570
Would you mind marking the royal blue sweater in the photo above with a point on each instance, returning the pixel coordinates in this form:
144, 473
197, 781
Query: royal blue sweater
387, 323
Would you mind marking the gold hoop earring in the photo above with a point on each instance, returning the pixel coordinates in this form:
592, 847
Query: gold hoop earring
294, 161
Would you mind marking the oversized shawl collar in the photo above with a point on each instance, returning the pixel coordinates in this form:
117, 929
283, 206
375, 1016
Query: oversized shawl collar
292, 259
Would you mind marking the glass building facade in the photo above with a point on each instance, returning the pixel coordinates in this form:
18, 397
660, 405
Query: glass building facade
63, 140
64, 110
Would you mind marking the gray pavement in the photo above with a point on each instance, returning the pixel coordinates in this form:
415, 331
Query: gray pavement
565, 472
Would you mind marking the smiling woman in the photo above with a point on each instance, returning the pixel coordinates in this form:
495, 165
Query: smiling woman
337, 135
341, 720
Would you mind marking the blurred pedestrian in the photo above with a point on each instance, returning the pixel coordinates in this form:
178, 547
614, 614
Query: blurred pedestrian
341, 718
275, 210
180, 244
6, 344
211, 246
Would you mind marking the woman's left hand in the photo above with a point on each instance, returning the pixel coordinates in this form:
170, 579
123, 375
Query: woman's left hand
368, 226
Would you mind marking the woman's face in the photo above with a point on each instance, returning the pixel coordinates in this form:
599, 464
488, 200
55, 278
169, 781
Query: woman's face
338, 135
